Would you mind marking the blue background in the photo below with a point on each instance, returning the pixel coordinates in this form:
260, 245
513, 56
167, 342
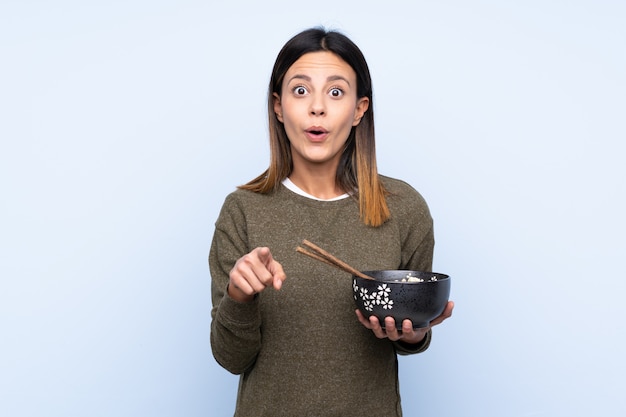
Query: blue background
124, 124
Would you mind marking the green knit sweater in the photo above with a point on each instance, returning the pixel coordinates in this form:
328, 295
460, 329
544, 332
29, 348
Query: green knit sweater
301, 351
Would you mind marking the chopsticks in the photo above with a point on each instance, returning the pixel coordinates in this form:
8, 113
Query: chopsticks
320, 254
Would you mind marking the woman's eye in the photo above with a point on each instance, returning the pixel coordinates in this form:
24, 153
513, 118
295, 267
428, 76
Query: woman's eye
300, 90
336, 92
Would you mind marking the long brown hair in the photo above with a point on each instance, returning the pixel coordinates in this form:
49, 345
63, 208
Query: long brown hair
357, 167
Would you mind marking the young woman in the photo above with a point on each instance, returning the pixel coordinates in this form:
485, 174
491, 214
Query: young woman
287, 323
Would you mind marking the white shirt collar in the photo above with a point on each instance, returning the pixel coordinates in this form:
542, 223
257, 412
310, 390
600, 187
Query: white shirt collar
293, 187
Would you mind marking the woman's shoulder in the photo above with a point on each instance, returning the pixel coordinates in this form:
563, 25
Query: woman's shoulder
252, 200
240, 196
403, 196
397, 186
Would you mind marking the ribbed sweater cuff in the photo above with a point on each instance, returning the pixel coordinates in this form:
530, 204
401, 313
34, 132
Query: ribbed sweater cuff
403, 348
239, 315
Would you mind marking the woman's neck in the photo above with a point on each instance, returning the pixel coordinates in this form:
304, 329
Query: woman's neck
320, 185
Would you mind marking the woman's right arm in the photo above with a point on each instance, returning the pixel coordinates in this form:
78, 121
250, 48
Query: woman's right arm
237, 275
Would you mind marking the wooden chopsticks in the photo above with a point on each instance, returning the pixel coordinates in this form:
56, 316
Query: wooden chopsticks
320, 254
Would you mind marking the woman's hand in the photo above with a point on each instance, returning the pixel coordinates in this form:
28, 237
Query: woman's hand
253, 273
407, 334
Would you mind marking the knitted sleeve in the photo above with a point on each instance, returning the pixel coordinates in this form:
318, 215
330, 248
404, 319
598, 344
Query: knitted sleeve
235, 327
418, 242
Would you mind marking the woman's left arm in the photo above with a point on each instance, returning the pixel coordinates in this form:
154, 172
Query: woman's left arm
407, 340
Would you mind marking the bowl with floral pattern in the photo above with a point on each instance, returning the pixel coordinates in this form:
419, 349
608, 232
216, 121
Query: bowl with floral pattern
402, 294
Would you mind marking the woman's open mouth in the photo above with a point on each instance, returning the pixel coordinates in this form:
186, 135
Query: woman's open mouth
316, 133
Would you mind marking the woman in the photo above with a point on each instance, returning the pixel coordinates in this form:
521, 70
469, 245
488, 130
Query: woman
283, 321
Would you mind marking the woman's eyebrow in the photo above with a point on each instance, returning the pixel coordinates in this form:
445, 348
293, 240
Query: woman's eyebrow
300, 77
338, 78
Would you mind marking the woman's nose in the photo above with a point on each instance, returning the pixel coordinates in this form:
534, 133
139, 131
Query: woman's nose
318, 107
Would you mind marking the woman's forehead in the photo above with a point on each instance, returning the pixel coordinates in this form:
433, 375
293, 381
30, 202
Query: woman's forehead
321, 64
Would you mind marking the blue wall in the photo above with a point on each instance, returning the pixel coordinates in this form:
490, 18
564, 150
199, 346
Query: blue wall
123, 125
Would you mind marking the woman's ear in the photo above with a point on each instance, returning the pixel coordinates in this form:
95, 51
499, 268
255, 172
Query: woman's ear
278, 109
361, 107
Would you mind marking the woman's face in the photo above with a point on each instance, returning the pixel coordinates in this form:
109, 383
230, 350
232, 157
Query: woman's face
318, 107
